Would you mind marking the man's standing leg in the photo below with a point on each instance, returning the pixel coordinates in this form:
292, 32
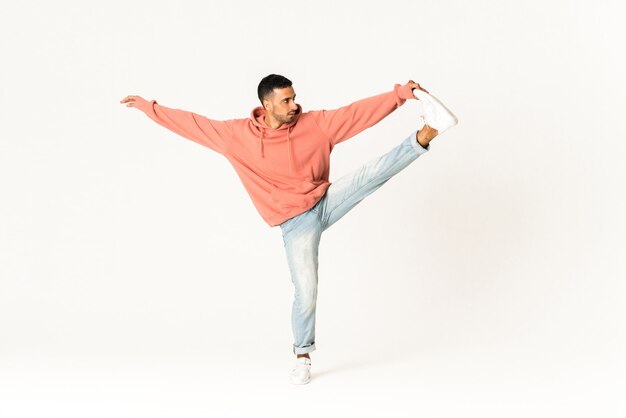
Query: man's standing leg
301, 237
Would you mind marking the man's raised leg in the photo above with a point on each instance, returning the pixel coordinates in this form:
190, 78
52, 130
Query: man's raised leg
346, 192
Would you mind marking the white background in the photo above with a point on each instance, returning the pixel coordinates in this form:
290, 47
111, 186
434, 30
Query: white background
137, 278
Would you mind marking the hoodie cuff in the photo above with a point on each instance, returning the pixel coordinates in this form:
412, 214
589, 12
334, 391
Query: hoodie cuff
145, 105
405, 92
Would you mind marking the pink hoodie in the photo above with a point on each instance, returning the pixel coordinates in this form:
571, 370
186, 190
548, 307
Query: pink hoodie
284, 170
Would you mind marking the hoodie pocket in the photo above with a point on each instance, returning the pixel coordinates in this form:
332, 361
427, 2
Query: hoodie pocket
301, 195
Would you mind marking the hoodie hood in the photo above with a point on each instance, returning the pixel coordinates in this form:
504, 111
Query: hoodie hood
257, 116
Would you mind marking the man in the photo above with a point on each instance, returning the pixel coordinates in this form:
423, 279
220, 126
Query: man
282, 156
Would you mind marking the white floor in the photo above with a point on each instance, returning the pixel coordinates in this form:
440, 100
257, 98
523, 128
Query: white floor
367, 383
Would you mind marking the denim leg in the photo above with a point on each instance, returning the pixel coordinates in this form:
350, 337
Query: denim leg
301, 237
346, 192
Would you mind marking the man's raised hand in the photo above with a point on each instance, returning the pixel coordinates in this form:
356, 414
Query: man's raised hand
132, 101
415, 85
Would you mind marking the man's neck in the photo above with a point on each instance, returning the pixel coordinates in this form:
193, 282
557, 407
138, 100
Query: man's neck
272, 123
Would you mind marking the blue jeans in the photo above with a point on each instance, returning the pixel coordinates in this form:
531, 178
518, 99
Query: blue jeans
302, 233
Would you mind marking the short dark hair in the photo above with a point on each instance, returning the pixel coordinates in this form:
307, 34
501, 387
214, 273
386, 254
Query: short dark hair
271, 82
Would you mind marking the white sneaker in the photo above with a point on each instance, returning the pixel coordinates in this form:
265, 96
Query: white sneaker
436, 115
301, 373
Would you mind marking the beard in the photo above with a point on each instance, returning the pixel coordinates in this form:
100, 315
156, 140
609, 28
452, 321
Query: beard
287, 118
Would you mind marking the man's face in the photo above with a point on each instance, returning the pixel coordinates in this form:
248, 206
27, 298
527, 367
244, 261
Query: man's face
281, 105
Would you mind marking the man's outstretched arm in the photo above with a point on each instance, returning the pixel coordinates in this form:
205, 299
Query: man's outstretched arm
345, 122
213, 134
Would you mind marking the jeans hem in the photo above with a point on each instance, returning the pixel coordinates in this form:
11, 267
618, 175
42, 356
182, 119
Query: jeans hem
418, 147
303, 350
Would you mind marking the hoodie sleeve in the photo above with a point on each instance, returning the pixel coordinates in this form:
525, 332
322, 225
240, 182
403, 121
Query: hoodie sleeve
345, 122
213, 134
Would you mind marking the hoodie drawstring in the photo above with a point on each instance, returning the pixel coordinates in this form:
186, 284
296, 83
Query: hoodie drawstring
261, 136
261, 143
289, 145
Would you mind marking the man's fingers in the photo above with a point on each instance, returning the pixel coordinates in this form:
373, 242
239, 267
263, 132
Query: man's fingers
415, 85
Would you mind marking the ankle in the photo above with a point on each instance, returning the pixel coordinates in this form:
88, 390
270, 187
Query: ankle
303, 355
425, 135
